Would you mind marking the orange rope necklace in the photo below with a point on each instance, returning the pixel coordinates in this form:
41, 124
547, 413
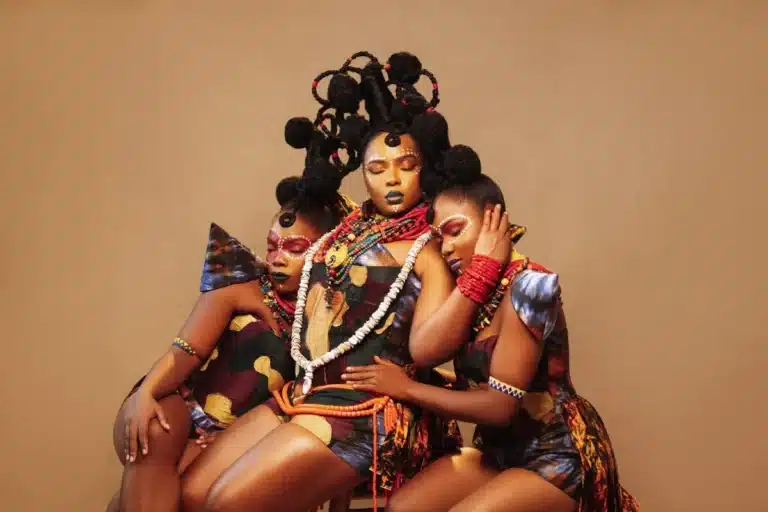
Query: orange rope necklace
370, 407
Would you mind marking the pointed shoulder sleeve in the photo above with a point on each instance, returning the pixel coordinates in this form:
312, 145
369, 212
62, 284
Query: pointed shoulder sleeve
228, 261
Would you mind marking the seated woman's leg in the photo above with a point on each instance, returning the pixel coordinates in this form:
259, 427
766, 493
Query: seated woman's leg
289, 469
151, 482
443, 483
517, 490
230, 444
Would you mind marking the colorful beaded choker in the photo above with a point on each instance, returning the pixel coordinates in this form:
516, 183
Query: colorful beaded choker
488, 310
281, 309
360, 232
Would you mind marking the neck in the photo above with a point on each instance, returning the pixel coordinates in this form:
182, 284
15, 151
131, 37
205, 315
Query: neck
286, 302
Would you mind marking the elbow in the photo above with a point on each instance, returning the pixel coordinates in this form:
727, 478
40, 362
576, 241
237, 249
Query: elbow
424, 358
499, 421
426, 354
501, 415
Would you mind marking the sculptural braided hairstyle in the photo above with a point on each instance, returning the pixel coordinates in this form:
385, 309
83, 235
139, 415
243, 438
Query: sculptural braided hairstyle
314, 194
393, 105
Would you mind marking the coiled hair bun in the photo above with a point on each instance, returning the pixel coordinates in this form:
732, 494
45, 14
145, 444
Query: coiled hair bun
298, 132
461, 165
404, 67
344, 93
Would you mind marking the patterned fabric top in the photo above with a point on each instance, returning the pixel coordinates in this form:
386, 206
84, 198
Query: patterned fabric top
249, 360
248, 363
352, 304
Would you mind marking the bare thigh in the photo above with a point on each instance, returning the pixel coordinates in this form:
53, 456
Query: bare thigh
517, 490
443, 483
229, 445
190, 454
290, 469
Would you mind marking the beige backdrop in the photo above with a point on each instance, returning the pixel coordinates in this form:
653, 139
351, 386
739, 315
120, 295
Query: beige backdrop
628, 135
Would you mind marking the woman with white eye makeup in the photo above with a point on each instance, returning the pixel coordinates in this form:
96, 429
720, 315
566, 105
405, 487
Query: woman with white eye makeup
229, 355
538, 446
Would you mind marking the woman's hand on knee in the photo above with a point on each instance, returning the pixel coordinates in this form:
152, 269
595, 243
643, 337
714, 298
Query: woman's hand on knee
141, 408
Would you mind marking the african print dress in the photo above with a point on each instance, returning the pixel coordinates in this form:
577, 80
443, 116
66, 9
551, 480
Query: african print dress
419, 437
557, 433
250, 360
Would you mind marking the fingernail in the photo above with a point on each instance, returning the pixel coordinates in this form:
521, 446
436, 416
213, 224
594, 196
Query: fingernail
144, 451
344, 376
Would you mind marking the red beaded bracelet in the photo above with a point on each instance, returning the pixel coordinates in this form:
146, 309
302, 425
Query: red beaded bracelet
479, 279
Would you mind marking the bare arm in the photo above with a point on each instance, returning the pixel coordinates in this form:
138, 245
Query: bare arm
514, 362
443, 316
202, 330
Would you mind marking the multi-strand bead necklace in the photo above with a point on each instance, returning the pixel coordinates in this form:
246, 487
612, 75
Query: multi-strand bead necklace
358, 233
342, 250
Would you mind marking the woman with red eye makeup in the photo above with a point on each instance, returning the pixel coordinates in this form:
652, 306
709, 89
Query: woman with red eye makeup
231, 353
538, 446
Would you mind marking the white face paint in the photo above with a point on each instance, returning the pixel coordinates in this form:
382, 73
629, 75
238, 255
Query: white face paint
392, 174
458, 219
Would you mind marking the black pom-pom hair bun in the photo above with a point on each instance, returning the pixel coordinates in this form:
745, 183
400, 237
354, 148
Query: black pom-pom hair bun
461, 165
353, 84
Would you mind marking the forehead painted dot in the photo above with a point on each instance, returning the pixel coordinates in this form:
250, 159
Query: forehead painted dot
378, 150
301, 227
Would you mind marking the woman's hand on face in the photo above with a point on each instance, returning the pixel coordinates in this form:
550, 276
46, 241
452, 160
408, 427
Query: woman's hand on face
141, 409
384, 377
494, 241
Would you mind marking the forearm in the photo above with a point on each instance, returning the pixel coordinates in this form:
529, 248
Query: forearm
441, 335
484, 407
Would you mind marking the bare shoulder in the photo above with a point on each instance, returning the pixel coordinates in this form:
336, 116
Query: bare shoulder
430, 254
430, 260
245, 296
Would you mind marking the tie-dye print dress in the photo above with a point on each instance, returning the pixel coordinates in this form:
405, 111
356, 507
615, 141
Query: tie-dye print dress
557, 434
249, 361
419, 436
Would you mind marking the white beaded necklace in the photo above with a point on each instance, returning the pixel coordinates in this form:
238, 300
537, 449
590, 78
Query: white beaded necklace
301, 300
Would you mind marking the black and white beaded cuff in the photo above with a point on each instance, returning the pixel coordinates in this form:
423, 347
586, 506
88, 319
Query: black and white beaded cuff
507, 389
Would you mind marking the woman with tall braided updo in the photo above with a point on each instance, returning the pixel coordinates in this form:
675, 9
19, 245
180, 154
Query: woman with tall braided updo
231, 352
370, 289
